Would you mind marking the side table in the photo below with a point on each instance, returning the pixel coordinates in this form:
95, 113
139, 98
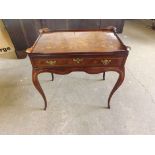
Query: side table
90, 51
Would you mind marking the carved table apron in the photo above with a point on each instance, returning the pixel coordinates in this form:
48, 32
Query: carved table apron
90, 51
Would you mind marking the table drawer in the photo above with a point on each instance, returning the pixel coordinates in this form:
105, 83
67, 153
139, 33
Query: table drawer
77, 62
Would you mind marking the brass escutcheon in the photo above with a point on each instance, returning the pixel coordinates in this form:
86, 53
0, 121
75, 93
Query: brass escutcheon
77, 60
105, 61
51, 62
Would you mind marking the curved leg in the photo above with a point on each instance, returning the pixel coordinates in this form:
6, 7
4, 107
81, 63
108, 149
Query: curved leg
38, 87
103, 75
52, 76
117, 85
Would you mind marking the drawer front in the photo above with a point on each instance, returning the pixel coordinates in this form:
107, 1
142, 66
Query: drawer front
78, 62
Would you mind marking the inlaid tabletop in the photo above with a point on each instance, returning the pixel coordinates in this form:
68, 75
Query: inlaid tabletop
77, 41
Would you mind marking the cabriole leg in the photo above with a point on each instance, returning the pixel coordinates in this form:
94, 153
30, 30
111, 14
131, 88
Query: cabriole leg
38, 87
103, 75
117, 85
52, 76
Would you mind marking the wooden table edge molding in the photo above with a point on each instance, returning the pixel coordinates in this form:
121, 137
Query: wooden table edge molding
109, 61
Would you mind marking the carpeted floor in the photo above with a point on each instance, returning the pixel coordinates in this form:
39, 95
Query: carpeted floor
76, 101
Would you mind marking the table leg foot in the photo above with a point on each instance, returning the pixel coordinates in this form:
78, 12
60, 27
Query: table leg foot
103, 75
38, 87
52, 76
117, 85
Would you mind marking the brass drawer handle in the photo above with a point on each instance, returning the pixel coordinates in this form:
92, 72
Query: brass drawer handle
51, 62
77, 60
105, 61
